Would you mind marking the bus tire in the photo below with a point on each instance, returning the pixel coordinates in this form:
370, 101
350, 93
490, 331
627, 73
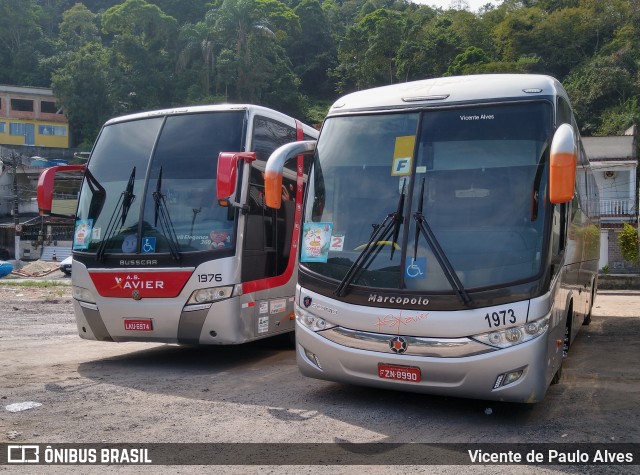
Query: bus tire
558, 376
587, 317
565, 346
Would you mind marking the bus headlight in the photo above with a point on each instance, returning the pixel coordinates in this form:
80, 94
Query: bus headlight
82, 294
514, 335
212, 294
311, 321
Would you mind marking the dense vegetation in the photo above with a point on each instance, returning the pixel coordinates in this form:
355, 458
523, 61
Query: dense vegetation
106, 57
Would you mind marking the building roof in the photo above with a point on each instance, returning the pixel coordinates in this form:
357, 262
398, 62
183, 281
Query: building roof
610, 148
29, 90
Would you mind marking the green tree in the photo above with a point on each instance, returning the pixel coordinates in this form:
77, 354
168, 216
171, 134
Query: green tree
312, 51
471, 57
142, 58
628, 240
198, 46
595, 87
367, 55
78, 27
253, 30
22, 43
82, 87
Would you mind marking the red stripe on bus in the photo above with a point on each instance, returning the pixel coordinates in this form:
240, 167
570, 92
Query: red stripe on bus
147, 284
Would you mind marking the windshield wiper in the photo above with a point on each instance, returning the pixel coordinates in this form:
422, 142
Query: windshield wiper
122, 206
422, 227
380, 236
166, 225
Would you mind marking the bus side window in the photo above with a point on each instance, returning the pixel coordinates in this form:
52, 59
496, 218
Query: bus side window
267, 230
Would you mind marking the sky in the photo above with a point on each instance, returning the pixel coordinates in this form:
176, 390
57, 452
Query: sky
474, 5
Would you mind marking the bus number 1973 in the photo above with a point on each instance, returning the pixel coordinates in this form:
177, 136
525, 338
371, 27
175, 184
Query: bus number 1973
502, 317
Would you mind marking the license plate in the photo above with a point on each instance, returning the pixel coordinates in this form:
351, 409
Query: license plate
138, 325
399, 373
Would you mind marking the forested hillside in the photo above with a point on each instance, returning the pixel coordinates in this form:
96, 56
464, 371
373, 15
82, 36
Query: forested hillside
105, 57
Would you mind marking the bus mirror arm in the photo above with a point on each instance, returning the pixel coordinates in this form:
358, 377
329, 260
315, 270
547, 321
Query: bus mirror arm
275, 167
227, 174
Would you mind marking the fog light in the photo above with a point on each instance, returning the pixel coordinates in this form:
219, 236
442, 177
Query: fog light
312, 357
511, 377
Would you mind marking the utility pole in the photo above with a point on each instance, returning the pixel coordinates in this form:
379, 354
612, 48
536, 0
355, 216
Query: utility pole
16, 215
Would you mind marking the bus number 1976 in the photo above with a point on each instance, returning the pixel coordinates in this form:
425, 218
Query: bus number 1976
502, 317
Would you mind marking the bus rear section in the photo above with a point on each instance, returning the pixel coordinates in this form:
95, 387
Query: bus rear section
449, 239
172, 241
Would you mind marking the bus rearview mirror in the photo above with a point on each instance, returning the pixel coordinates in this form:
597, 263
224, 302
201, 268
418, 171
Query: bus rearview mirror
563, 164
227, 174
58, 189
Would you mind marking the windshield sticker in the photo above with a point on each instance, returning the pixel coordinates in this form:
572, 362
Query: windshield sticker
422, 169
403, 155
82, 234
337, 242
129, 243
219, 239
263, 307
96, 233
148, 244
416, 269
316, 240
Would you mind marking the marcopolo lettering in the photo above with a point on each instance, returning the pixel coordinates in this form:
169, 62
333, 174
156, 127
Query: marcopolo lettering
398, 300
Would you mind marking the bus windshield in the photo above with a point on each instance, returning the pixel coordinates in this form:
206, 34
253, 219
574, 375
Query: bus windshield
476, 176
150, 186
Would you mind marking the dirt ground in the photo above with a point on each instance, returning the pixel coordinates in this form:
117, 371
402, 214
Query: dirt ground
139, 392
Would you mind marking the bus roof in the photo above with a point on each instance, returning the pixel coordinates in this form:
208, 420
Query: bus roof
209, 108
449, 90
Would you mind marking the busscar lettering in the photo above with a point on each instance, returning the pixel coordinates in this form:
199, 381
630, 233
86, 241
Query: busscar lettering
138, 262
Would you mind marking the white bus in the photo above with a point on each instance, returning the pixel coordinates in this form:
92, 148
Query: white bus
450, 238
172, 240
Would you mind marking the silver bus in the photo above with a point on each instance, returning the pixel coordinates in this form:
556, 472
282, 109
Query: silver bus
450, 238
172, 240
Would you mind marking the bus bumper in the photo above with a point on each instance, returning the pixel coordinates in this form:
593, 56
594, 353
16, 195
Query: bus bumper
470, 377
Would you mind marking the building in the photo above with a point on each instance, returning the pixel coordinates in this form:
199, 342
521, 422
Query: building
29, 116
615, 165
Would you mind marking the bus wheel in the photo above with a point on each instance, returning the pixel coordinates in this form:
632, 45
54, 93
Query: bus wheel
587, 317
565, 349
558, 376
567, 339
